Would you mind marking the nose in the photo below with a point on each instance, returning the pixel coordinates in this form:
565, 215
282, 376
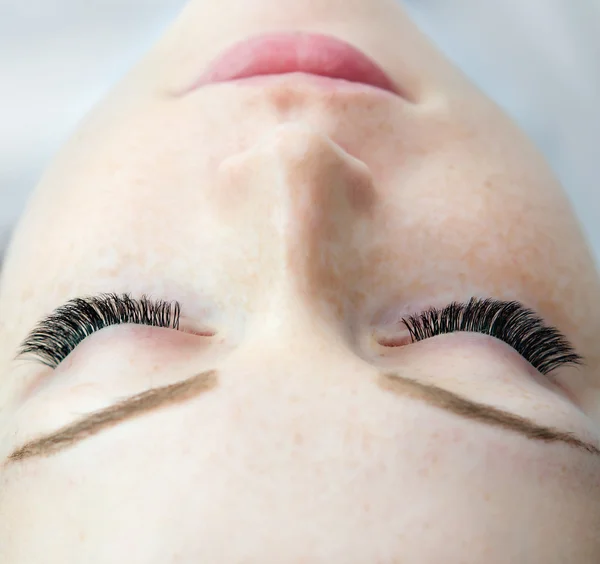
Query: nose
302, 210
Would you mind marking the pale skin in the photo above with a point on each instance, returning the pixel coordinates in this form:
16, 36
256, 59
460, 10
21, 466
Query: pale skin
293, 222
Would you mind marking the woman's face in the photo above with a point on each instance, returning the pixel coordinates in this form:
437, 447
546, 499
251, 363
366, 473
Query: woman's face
297, 227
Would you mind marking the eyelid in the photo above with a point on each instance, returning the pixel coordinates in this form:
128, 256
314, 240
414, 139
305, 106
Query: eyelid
542, 345
193, 327
521, 328
57, 335
393, 339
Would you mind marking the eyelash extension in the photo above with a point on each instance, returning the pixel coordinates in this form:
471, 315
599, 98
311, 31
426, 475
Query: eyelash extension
543, 346
58, 335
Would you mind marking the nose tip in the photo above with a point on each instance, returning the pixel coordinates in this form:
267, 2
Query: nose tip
301, 143
296, 173
312, 154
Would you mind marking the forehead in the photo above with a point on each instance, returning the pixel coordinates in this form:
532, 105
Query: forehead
321, 467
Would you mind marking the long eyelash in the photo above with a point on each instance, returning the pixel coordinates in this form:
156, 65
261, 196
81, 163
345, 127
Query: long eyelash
57, 335
542, 346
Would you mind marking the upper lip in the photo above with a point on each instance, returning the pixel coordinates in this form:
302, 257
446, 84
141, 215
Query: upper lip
312, 53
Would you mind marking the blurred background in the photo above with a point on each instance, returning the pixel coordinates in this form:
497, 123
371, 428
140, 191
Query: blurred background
538, 59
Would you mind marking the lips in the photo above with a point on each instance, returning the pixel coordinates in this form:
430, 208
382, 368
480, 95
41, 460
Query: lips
296, 52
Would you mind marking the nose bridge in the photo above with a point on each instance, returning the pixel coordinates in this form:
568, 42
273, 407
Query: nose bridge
291, 330
296, 343
304, 202
329, 199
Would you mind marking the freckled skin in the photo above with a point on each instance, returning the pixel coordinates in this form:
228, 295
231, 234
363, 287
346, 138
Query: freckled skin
288, 219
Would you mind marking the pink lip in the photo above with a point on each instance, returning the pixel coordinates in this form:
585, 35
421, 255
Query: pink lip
296, 52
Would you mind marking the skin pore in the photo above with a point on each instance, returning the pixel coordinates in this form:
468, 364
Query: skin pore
298, 225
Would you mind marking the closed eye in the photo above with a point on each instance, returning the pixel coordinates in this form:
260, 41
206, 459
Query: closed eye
543, 346
60, 333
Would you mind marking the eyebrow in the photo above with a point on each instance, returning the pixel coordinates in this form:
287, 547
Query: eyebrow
92, 423
459, 405
156, 398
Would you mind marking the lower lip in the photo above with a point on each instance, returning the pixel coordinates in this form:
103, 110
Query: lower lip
310, 54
